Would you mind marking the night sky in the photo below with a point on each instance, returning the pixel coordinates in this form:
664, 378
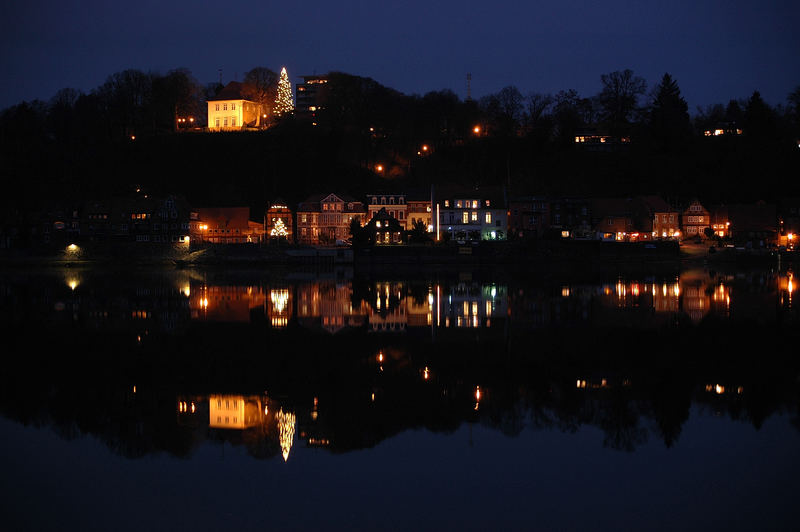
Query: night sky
717, 50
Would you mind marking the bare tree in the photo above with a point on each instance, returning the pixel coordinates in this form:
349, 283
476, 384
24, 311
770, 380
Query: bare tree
618, 98
261, 85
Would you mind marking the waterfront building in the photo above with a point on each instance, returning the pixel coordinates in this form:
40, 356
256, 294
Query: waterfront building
325, 218
467, 214
225, 225
394, 204
695, 220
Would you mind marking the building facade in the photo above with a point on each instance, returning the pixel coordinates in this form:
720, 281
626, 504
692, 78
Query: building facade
231, 110
325, 219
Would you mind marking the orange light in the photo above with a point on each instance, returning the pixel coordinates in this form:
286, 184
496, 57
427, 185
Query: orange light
379, 168
476, 130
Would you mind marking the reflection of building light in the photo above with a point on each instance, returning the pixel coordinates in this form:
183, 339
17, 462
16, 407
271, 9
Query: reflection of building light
187, 290
72, 283
565, 291
204, 303
373, 397
719, 389
380, 357
426, 373
279, 299
286, 423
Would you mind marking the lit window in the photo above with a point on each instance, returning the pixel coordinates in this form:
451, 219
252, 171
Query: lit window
216, 121
217, 107
474, 204
458, 204
233, 120
224, 106
488, 217
233, 107
474, 216
226, 122
446, 203
465, 217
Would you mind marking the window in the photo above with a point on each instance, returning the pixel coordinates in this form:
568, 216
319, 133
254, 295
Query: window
671, 218
400, 215
391, 201
474, 204
488, 203
233, 107
383, 200
324, 206
233, 120
224, 106
217, 107
401, 200
226, 121
216, 122
474, 216
458, 204
488, 217
446, 203
465, 217
374, 200
303, 218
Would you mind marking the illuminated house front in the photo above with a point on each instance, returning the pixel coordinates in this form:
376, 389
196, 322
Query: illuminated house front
230, 110
278, 221
696, 219
225, 225
394, 204
469, 214
325, 218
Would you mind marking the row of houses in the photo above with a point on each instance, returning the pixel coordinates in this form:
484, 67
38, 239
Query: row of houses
445, 213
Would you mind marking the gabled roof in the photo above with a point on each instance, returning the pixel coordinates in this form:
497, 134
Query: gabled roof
232, 91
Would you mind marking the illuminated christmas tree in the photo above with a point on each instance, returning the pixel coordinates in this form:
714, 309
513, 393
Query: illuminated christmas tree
283, 101
279, 229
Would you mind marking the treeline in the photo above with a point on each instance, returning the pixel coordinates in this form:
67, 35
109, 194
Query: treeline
82, 143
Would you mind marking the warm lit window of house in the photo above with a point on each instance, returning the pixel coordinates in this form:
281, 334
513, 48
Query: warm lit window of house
216, 121
458, 204
465, 217
474, 216
446, 203
474, 204
216, 107
225, 122
233, 120
488, 217
233, 107
224, 106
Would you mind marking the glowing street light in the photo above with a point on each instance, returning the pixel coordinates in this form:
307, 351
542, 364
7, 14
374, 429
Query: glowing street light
476, 130
379, 168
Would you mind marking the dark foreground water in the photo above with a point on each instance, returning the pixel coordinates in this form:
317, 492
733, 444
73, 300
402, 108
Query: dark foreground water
208, 400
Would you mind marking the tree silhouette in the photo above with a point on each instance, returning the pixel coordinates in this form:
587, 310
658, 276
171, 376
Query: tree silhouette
669, 114
618, 99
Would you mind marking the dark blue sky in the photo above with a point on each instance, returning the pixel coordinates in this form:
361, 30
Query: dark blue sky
717, 50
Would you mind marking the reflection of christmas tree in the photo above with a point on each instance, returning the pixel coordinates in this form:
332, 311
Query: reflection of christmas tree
279, 229
283, 102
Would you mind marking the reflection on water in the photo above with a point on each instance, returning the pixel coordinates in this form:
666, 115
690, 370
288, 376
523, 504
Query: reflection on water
351, 363
389, 306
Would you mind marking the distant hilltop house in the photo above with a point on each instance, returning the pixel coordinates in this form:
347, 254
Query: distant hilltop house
312, 97
232, 110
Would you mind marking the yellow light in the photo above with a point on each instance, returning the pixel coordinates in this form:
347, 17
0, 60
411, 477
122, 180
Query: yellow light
424, 147
133, 137
426, 373
286, 423
379, 168
477, 393
380, 357
476, 130
790, 236
72, 247
719, 389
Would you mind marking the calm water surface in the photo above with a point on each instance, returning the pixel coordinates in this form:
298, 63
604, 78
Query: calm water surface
206, 400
